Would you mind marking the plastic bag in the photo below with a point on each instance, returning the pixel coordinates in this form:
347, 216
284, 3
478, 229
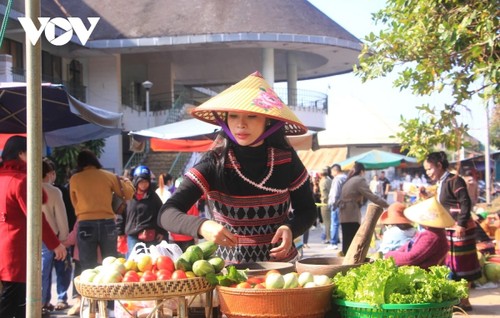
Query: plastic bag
138, 249
164, 248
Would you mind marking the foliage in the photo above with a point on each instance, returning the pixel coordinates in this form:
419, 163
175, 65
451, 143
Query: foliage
65, 157
438, 45
382, 282
495, 127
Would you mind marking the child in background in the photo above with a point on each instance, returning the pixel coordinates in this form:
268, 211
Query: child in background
398, 230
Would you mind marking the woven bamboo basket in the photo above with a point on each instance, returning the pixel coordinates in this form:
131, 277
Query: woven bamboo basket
311, 302
143, 290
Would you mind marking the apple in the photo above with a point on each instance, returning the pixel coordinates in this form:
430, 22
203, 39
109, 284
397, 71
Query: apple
291, 280
305, 277
108, 260
164, 274
130, 265
244, 285
310, 285
165, 262
148, 276
179, 274
111, 276
275, 281
117, 266
144, 262
322, 280
88, 275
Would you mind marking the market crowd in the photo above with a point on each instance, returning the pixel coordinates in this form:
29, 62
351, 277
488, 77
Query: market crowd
250, 194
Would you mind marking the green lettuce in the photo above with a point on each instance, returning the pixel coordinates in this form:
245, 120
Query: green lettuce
382, 282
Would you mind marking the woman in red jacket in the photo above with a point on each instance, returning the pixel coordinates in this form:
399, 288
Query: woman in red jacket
13, 210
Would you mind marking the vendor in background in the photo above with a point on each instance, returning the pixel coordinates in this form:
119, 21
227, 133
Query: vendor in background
429, 247
453, 195
484, 243
472, 186
256, 186
397, 229
138, 221
355, 192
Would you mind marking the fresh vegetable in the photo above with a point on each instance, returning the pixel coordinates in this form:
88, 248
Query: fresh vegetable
233, 276
382, 282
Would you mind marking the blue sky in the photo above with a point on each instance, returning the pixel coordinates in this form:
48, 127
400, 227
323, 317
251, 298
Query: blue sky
378, 95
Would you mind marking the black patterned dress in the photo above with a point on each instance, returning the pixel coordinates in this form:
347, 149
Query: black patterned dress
258, 198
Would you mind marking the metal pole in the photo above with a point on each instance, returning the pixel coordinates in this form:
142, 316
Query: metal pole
487, 169
147, 108
147, 85
34, 164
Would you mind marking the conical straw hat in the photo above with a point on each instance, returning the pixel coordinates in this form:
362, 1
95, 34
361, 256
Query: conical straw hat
394, 214
251, 95
430, 213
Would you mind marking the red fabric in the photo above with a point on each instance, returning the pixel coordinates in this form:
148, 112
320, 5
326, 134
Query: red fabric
13, 229
181, 237
180, 145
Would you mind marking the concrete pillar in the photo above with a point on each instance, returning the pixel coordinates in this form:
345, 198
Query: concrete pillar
291, 78
6, 68
268, 65
104, 91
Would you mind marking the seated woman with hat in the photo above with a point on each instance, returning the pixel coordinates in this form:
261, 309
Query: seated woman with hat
429, 247
398, 230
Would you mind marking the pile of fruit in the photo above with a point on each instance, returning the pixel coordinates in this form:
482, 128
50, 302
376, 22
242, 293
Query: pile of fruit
273, 279
196, 261
490, 268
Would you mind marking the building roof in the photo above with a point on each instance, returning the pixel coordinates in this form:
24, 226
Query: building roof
218, 41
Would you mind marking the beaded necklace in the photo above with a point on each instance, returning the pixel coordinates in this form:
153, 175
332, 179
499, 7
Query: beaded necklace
260, 185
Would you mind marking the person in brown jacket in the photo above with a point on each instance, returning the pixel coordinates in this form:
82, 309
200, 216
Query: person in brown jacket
355, 192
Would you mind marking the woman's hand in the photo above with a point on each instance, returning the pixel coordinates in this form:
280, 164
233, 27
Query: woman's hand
214, 232
283, 234
459, 231
60, 252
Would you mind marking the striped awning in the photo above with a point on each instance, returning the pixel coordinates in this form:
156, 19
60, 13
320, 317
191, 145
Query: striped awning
318, 159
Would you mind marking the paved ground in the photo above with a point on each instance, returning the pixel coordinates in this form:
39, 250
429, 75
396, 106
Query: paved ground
485, 302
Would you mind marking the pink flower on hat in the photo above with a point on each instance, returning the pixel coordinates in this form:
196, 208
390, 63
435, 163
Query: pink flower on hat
268, 100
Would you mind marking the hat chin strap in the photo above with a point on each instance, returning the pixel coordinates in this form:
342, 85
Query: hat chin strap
275, 127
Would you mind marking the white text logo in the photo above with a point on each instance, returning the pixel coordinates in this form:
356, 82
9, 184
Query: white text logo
67, 25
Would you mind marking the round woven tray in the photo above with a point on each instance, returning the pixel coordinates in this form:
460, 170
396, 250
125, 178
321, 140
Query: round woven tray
143, 290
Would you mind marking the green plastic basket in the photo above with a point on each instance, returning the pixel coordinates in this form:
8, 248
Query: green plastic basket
349, 309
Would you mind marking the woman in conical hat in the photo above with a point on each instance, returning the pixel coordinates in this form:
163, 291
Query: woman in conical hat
453, 195
429, 246
397, 229
256, 187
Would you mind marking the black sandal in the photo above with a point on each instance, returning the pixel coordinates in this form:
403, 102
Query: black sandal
61, 305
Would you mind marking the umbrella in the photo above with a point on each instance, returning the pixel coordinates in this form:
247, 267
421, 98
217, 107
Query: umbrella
65, 120
193, 135
377, 159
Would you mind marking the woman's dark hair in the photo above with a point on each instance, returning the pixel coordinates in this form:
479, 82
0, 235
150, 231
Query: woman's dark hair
47, 166
217, 156
356, 170
438, 157
14, 146
87, 158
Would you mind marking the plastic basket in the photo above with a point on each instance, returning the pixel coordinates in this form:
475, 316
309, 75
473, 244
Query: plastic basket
311, 302
349, 309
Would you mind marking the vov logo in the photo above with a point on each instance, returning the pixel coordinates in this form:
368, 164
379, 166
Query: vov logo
68, 26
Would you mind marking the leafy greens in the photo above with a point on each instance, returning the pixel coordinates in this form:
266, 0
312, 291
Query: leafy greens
382, 282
